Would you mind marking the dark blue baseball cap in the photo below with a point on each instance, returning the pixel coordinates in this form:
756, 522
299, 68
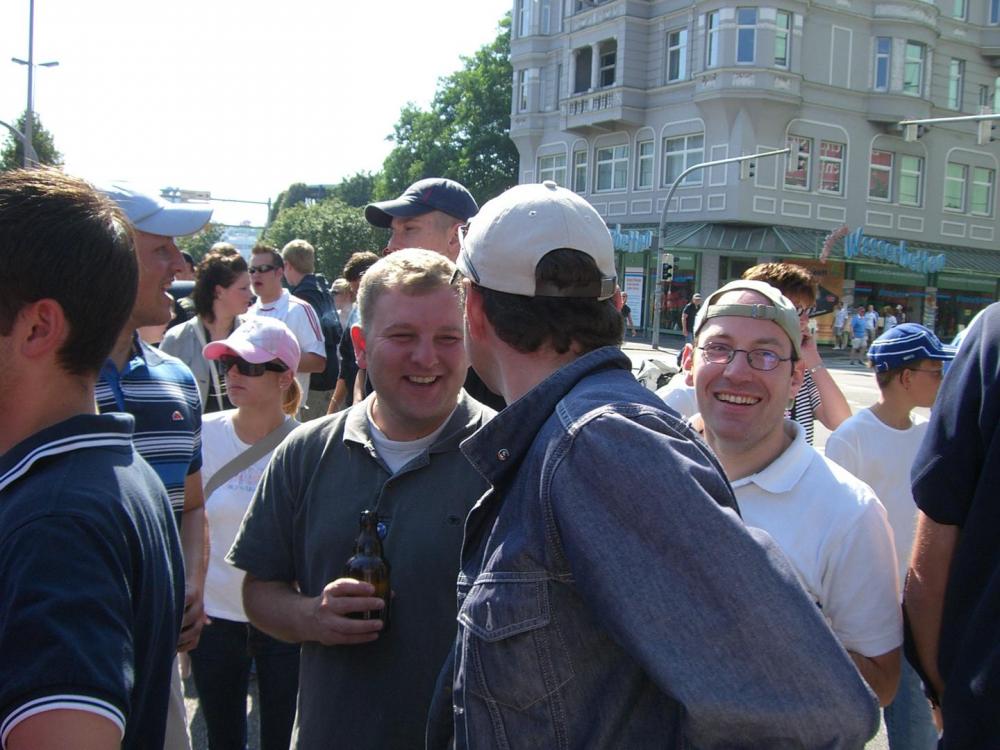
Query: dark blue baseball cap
907, 343
424, 196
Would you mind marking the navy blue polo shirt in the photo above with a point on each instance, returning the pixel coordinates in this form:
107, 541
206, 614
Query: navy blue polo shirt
91, 579
160, 392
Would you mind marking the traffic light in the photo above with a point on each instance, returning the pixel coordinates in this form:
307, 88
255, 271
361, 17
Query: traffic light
987, 131
748, 169
913, 131
667, 267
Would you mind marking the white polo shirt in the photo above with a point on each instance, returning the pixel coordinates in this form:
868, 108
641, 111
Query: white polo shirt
302, 319
834, 532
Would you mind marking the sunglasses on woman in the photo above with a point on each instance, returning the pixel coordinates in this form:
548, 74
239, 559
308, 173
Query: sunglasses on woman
250, 369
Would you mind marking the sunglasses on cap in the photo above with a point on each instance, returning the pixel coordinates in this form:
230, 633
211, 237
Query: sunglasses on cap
251, 369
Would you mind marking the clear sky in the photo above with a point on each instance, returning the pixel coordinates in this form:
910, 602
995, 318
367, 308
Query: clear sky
235, 97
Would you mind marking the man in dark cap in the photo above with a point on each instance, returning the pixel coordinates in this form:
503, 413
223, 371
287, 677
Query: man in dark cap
427, 215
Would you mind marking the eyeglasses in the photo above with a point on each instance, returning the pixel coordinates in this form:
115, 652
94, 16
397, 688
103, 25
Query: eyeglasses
266, 268
800, 311
759, 359
935, 373
250, 369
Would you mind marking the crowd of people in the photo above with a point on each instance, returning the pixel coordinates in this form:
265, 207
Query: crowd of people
574, 562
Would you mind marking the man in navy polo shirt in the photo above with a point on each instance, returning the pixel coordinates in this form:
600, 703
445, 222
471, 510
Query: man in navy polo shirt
91, 582
160, 392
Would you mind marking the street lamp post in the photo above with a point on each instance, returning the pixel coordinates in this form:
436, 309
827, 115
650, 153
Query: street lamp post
29, 117
663, 223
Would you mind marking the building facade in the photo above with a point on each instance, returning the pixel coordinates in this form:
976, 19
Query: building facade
615, 98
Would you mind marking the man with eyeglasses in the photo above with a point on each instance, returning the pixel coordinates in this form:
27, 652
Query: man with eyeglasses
267, 269
609, 595
746, 365
878, 446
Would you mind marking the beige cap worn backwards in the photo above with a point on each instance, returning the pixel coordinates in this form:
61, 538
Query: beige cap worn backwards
515, 230
780, 310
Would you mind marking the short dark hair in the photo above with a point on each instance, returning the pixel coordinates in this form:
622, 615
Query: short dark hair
528, 323
218, 268
188, 258
261, 247
358, 263
63, 240
788, 278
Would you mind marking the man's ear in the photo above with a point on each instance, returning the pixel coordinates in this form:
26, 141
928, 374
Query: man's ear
798, 376
41, 328
475, 315
360, 351
687, 364
454, 246
617, 298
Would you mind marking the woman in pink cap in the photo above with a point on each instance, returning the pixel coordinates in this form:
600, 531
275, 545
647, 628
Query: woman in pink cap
258, 360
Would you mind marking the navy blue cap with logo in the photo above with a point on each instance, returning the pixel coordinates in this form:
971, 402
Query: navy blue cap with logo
906, 343
424, 196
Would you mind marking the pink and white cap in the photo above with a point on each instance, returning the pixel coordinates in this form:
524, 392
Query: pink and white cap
258, 340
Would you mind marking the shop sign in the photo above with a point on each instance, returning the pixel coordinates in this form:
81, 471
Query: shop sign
921, 261
632, 240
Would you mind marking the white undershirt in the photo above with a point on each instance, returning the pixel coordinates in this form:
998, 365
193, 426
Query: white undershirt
398, 453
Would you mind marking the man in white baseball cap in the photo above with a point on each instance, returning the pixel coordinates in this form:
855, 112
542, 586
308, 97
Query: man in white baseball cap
160, 392
610, 595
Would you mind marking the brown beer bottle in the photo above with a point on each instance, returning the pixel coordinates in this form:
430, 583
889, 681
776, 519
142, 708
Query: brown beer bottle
368, 564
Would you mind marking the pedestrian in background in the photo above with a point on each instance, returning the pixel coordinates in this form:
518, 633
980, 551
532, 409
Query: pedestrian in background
878, 446
258, 360
221, 294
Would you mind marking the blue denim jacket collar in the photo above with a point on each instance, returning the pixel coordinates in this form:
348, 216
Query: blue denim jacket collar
498, 448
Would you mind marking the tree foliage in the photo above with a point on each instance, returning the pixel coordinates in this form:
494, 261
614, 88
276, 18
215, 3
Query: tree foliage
334, 228
198, 244
357, 190
12, 155
466, 133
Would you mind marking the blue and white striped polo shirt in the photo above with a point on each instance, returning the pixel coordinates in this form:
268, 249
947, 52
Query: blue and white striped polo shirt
160, 392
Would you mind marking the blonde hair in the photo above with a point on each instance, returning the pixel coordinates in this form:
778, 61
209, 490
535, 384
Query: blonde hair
300, 255
412, 271
291, 398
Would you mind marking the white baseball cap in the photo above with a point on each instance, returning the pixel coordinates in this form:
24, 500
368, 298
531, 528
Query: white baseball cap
514, 231
153, 215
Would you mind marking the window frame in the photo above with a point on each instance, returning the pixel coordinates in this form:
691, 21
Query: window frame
838, 161
962, 8
642, 160
919, 64
990, 187
960, 182
605, 67
887, 169
523, 15
522, 90
956, 83
712, 39
994, 17
886, 58
695, 179
785, 34
751, 31
554, 169
681, 55
806, 170
618, 161
580, 169
905, 173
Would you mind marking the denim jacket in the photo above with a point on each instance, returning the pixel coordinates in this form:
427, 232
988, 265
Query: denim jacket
611, 597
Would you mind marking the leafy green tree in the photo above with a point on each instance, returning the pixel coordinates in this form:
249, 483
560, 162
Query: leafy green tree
335, 229
199, 243
466, 133
12, 155
356, 190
